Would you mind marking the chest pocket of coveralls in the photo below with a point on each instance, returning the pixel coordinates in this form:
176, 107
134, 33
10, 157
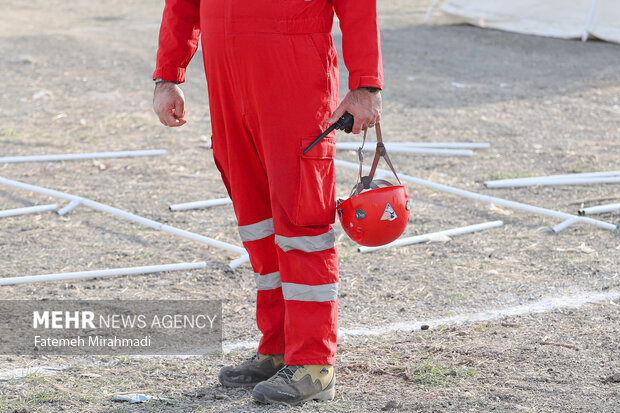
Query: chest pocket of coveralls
316, 200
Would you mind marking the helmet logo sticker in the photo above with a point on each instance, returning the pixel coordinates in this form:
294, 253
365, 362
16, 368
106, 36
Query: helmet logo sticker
360, 214
388, 214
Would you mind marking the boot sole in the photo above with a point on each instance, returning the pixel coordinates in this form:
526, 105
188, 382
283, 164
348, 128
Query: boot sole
227, 383
325, 395
232, 384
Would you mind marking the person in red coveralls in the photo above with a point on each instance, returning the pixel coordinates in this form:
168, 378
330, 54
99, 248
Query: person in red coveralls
272, 76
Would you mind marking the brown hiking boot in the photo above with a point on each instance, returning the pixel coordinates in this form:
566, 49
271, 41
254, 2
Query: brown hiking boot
252, 371
297, 384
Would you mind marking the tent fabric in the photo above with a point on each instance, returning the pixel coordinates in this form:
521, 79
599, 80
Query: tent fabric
552, 18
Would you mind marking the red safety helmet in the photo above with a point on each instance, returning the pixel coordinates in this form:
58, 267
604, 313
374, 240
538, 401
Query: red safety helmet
376, 212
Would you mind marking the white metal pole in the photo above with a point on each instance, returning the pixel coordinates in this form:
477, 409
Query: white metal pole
429, 11
428, 237
557, 181
347, 146
163, 227
132, 217
78, 156
102, 273
449, 145
27, 210
600, 209
239, 261
438, 145
565, 224
69, 207
586, 31
500, 182
201, 204
485, 198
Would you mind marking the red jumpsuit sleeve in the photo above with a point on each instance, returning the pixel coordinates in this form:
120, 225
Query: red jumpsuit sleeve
178, 39
361, 43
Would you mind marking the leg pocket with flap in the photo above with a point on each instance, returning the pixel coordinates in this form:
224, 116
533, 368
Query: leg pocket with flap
316, 201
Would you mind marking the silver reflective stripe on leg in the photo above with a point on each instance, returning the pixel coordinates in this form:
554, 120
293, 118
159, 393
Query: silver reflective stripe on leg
268, 281
256, 231
302, 292
307, 244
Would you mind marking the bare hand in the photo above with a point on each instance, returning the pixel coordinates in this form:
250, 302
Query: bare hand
365, 107
169, 104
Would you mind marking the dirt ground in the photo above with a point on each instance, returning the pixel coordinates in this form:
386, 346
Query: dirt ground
77, 79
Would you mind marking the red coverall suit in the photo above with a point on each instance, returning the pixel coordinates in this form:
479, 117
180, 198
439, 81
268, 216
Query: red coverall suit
272, 76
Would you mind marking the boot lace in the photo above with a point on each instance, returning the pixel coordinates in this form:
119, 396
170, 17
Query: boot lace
251, 359
285, 373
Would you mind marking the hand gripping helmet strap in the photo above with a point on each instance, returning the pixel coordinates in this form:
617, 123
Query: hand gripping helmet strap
366, 182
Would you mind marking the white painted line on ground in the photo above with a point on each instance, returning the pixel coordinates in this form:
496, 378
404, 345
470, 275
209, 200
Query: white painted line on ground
79, 156
543, 305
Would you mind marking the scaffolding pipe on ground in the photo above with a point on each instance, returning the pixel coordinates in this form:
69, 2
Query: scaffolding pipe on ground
239, 261
501, 183
559, 181
434, 235
123, 214
447, 145
69, 207
564, 224
439, 145
102, 273
600, 209
78, 156
201, 204
27, 210
484, 198
348, 146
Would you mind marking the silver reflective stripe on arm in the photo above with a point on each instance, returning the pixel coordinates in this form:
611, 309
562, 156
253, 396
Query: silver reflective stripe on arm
256, 231
307, 244
268, 281
302, 292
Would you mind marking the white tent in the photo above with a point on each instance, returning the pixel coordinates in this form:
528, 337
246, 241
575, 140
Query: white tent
553, 18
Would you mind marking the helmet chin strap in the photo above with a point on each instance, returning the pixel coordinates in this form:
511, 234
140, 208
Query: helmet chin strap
366, 182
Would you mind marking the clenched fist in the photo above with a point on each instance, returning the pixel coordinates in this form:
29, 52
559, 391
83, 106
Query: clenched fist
169, 104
